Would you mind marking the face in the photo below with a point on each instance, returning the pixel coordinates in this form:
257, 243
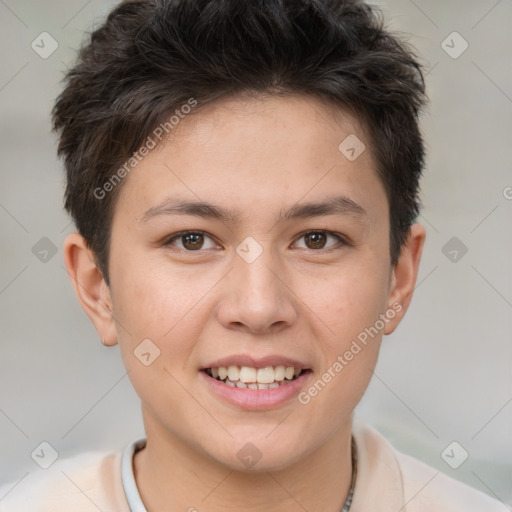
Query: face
261, 277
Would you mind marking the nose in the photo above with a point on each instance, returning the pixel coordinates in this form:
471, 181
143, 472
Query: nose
256, 297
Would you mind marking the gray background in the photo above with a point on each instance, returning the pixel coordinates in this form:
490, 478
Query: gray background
443, 376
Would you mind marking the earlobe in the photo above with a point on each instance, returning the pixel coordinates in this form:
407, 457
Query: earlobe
90, 287
404, 275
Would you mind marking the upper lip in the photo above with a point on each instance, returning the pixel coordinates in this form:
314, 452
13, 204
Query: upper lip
255, 362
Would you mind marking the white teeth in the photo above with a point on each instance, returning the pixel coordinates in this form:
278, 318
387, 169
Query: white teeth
265, 375
279, 373
255, 378
252, 385
233, 373
247, 374
289, 372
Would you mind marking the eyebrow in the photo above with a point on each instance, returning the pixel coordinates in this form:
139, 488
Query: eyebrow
338, 205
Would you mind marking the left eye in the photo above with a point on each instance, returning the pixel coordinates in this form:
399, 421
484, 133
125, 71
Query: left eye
317, 239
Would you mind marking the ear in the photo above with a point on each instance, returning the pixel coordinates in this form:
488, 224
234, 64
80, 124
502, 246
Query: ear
404, 274
90, 287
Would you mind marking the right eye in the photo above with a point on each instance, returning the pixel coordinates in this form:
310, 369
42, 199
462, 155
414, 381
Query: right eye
191, 240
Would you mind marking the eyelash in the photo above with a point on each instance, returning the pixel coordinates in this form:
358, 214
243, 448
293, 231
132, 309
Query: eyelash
341, 239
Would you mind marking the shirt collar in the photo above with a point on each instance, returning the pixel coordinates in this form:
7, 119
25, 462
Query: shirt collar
128, 478
379, 484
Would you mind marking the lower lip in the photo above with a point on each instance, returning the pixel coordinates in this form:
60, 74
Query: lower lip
256, 399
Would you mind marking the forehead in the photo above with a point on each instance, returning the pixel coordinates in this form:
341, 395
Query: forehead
250, 151
265, 123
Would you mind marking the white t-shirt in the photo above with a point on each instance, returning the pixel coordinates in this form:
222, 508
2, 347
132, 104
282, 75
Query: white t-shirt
387, 481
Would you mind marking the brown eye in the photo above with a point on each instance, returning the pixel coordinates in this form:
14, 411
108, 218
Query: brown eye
317, 240
191, 241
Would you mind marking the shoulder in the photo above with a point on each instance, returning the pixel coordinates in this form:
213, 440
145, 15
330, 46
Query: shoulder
89, 481
426, 488
391, 479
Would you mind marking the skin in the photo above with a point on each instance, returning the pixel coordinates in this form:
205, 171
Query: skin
258, 156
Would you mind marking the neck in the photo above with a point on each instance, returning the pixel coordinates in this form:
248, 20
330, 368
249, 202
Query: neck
171, 475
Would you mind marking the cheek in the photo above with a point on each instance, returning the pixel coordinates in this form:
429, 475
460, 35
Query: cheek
347, 302
152, 296
155, 315
355, 311
151, 302
349, 338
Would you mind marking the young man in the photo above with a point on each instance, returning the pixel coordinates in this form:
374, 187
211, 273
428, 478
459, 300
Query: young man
244, 181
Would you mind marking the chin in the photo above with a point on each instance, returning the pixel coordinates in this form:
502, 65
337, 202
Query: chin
247, 454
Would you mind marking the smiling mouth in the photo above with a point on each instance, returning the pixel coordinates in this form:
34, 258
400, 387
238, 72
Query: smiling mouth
268, 377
